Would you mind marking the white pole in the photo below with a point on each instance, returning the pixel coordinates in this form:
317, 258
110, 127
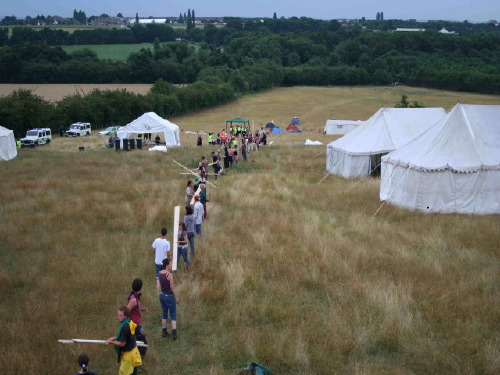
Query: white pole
177, 212
85, 341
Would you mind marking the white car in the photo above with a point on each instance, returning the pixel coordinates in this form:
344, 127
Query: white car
109, 130
37, 136
79, 128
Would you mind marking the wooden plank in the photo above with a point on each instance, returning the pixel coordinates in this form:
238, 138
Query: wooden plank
86, 341
190, 171
196, 193
177, 213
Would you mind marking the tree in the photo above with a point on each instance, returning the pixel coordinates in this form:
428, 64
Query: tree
275, 17
381, 16
119, 15
79, 17
190, 20
23, 110
137, 18
404, 103
378, 16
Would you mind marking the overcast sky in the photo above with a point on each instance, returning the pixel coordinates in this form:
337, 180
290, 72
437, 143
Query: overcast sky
457, 10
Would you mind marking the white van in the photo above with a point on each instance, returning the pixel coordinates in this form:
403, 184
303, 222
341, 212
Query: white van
37, 136
79, 128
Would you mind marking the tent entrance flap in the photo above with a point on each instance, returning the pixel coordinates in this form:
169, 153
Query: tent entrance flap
375, 164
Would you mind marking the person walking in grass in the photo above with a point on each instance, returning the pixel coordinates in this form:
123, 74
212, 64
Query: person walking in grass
125, 343
204, 165
83, 362
136, 308
168, 298
189, 192
161, 247
215, 164
204, 200
189, 222
182, 245
226, 158
235, 153
198, 214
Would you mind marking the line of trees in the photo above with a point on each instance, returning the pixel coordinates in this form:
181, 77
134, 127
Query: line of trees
344, 56
231, 61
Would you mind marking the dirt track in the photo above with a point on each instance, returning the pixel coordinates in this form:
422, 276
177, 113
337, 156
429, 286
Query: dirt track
56, 92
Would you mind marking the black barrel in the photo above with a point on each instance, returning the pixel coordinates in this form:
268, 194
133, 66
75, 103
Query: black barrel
125, 144
139, 143
117, 144
132, 143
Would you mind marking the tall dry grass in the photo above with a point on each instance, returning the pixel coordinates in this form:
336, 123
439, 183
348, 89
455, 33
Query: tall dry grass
290, 273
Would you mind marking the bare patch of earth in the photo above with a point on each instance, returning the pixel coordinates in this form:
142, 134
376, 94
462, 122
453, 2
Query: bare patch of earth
56, 92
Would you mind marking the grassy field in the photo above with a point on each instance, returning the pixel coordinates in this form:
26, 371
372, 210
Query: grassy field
111, 51
291, 273
56, 92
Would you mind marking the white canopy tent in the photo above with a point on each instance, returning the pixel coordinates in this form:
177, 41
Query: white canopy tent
8, 148
150, 122
341, 127
453, 167
358, 153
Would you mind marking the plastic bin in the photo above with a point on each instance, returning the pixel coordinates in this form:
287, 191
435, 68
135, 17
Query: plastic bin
139, 143
125, 144
117, 144
132, 143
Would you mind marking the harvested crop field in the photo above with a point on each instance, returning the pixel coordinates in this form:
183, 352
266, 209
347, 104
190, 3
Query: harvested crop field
56, 92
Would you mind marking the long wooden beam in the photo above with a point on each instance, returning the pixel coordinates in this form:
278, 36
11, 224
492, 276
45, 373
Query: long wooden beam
177, 212
86, 341
190, 171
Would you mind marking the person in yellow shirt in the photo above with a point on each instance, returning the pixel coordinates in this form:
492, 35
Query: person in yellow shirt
125, 343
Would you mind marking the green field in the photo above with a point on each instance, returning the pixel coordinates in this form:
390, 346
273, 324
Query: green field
111, 51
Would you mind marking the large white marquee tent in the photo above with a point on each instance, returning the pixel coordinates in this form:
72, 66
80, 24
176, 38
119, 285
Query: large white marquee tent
150, 122
358, 153
8, 148
453, 167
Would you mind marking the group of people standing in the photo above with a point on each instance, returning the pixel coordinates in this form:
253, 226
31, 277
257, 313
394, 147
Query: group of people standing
129, 315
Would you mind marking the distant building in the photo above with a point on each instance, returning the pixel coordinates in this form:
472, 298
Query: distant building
407, 30
444, 31
143, 21
105, 21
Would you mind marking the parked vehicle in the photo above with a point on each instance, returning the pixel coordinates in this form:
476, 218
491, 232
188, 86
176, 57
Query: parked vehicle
109, 130
37, 136
79, 128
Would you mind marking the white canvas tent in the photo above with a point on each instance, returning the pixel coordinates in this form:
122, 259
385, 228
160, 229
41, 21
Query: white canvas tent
150, 122
8, 148
341, 127
453, 167
358, 153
